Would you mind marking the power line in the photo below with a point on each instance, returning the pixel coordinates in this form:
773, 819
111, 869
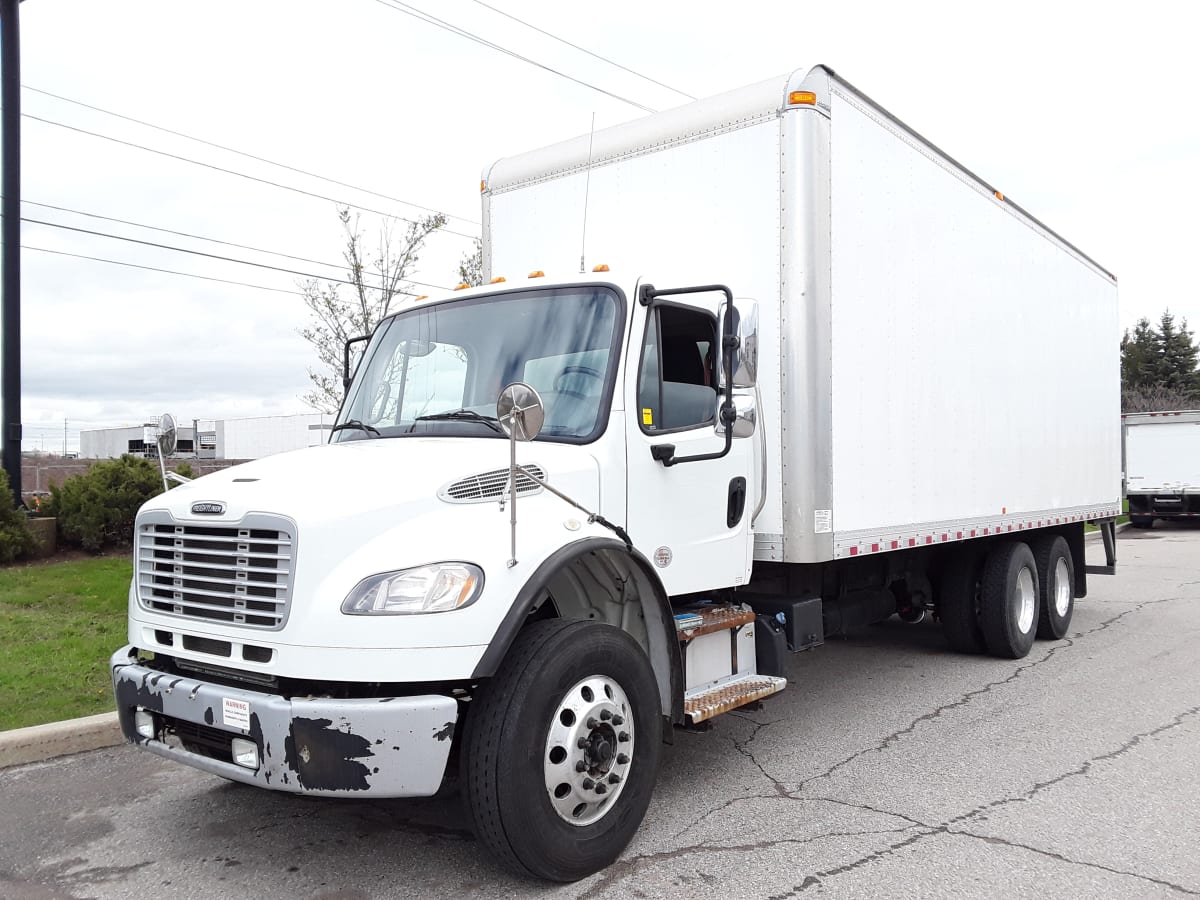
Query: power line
242, 262
262, 159
400, 7
266, 181
130, 265
197, 237
582, 49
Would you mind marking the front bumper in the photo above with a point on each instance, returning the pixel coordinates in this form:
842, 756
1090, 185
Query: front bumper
382, 746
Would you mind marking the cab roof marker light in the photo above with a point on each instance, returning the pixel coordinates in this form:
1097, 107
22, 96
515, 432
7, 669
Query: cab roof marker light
482, 186
802, 98
600, 268
499, 279
461, 287
999, 196
422, 297
537, 273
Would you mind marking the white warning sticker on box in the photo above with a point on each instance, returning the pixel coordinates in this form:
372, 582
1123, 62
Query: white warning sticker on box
235, 713
822, 521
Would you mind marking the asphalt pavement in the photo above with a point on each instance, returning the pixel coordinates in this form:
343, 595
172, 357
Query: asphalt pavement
889, 767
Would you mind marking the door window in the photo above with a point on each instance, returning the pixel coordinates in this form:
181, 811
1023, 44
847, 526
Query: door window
676, 383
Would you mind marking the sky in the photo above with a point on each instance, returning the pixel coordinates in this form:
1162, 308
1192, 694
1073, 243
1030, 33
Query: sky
1082, 113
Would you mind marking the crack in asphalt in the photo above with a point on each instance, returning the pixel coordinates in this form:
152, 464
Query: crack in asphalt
889, 740
988, 839
1080, 771
626, 867
781, 791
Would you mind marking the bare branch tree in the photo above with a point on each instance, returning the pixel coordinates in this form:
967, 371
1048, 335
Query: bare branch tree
374, 283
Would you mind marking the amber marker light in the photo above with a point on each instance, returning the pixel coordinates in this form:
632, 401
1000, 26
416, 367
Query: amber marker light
422, 297
600, 268
802, 98
461, 287
537, 273
498, 279
999, 196
482, 186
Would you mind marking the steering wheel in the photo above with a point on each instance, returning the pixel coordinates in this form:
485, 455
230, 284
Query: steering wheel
563, 378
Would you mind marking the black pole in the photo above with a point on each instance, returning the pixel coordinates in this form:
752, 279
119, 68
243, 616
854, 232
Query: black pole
10, 318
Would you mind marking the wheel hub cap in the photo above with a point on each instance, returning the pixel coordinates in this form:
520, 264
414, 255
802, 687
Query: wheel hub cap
1026, 601
1062, 587
589, 750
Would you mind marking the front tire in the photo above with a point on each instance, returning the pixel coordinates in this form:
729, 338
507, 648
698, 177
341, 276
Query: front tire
1008, 610
561, 749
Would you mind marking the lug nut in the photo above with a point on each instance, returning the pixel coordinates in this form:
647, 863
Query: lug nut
588, 784
580, 766
582, 743
601, 789
592, 724
606, 714
622, 759
623, 736
614, 778
618, 720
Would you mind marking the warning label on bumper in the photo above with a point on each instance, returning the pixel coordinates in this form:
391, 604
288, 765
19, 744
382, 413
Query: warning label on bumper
235, 713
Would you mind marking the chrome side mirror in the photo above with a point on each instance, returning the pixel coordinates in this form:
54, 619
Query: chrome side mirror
745, 358
745, 415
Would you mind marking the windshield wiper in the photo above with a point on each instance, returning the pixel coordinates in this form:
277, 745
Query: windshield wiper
466, 415
355, 423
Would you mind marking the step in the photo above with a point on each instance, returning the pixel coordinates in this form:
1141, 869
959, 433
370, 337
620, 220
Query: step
729, 695
692, 623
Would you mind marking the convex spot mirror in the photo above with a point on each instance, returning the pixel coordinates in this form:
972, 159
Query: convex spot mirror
168, 435
745, 358
520, 411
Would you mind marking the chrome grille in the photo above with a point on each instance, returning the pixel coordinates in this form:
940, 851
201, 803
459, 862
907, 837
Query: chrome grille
490, 485
230, 574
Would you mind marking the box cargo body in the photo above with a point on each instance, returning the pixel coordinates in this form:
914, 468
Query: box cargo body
1162, 465
935, 364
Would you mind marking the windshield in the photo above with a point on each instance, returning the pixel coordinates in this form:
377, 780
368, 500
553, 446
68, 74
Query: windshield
439, 369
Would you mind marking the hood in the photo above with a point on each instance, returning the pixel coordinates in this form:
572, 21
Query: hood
359, 478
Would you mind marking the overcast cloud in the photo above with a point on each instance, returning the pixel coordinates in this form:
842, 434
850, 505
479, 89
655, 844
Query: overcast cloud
1079, 112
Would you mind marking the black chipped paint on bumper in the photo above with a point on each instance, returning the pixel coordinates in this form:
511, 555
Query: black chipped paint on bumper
385, 746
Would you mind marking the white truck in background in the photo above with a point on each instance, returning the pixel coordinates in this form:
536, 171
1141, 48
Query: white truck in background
1162, 465
815, 375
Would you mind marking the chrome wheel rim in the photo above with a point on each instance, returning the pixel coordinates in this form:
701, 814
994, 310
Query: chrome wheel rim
589, 750
1062, 587
1026, 604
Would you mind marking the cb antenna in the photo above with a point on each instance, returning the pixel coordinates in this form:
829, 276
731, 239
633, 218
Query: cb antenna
587, 185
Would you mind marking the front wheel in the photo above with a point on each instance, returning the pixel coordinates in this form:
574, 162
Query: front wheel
561, 749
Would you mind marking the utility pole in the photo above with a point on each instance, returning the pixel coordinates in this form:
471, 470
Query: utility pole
64, 438
10, 281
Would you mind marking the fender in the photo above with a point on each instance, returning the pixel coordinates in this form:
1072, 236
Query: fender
663, 648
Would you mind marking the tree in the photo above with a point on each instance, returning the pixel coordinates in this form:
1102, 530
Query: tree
373, 284
1159, 367
470, 267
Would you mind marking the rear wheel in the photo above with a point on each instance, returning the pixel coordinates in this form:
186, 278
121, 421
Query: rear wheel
1056, 575
1008, 610
958, 602
561, 749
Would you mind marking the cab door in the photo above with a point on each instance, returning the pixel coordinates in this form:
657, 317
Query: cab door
691, 518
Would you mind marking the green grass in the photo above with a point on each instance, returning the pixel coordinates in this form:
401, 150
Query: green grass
59, 624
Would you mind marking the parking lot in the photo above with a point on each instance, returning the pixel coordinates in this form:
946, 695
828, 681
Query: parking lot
889, 767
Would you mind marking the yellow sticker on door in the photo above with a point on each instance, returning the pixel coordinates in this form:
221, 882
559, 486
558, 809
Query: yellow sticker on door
647, 416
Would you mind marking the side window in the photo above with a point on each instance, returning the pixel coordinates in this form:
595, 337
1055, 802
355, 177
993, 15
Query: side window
675, 383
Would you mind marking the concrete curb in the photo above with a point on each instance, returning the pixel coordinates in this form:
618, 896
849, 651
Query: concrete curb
41, 742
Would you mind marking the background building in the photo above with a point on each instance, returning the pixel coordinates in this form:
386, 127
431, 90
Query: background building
249, 438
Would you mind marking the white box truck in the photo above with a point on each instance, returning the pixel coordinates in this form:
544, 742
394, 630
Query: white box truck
1162, 466
815, 374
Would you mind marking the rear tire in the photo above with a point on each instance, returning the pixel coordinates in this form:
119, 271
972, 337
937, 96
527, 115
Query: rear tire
958, 602
1008, 611
531, 725
1056, 575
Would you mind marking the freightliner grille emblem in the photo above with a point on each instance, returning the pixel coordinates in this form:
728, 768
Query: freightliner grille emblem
208, 508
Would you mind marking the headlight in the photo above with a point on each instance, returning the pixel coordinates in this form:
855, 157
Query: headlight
425, 589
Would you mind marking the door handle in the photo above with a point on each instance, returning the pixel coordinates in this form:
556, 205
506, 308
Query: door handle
737, 502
